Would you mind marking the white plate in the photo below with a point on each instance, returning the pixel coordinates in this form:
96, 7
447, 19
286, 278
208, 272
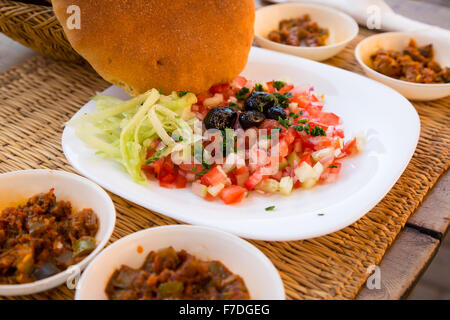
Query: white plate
389, 121
18, 186
239, 256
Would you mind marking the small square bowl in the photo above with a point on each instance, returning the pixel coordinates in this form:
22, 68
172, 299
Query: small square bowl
342, 28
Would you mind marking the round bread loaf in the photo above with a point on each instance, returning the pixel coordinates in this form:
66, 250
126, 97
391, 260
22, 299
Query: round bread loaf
164, 44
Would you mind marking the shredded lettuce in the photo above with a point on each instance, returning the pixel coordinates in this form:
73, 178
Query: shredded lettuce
123, 130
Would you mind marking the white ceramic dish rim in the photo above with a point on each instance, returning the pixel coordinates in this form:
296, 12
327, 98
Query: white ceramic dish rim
62, 276
248, 246
394, 80
321, 227
317, 6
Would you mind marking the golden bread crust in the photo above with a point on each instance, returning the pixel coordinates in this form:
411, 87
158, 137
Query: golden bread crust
165, 44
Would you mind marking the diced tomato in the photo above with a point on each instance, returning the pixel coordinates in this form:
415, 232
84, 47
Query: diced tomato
157, 167
219, 88
339, 133
255, 178
288, 172
331, 173
314, 98
277, 176
203, 96
209, 197
239, 82
335, 167
214, 177
298, 146
232, 194
180, 182
302, 100
224, 89
329, 119
306, 157
191, 167
241, 175
314, 110
283, 148
286, 88
270, 124
270, 88
290, 135
148, 171
350, 147
168, 165
168, 178
319, 143
241, 170
314, 123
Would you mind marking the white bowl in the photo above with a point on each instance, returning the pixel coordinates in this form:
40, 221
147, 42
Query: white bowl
342, 28
16, 187
239, 256
398, 41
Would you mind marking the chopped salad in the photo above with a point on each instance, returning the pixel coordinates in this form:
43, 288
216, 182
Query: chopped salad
239, 137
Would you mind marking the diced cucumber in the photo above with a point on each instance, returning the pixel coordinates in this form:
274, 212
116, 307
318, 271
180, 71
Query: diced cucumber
321, 154
318, 169
308, 184
199, 189
304, 172
293, 159
268, 185
286, 185
215, 190
283, 164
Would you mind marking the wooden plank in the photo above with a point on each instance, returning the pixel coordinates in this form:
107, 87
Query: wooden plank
433, 216
402, 266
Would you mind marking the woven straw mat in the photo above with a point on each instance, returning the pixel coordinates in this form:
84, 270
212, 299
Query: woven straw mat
37, 97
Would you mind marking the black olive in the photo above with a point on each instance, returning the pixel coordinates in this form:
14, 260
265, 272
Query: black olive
276, 112
220, 118
251, 118
260, 101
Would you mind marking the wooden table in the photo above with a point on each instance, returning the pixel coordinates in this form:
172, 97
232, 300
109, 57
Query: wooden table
416, 245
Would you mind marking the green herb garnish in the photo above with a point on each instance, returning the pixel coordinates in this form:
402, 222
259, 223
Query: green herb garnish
320, 214
259, 87
234, 105
182, 93
240, 95
156, 156
279, 84
282, 99
317, 131
271, 208
333, 166
293, 115
201, 173
303, 120
283, 122
297, 127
